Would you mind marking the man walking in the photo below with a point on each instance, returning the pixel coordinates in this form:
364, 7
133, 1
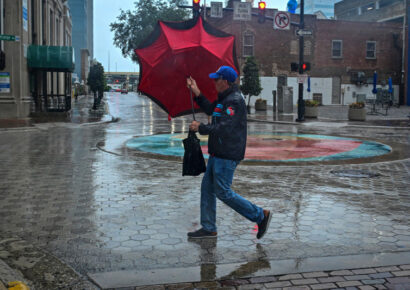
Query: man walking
226, 148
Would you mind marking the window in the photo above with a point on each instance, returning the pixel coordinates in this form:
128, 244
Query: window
248, 40
337, 46
51, 31
371, 49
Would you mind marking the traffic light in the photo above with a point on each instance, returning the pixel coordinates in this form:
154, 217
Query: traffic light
294, 66
261, 11
195, 7
306, 66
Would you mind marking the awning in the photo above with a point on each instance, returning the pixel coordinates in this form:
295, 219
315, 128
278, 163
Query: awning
51, 58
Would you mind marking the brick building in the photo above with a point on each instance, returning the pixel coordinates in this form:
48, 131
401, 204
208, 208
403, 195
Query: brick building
36, 72
346, 52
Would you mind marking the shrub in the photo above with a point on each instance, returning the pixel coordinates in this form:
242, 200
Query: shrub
357, 105
311, 103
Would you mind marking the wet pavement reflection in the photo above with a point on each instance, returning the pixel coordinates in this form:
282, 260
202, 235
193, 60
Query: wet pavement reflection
63, 190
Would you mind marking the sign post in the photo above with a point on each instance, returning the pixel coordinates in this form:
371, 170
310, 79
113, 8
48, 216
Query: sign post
242, 11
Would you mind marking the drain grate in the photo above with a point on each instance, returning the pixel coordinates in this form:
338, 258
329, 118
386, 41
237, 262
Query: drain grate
355, 173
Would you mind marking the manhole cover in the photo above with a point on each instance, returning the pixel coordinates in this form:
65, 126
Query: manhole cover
354, 173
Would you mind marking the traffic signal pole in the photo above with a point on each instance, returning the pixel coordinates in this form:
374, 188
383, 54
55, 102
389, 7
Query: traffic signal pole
301, 102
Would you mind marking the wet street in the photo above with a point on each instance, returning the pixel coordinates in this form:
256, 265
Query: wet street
78, 192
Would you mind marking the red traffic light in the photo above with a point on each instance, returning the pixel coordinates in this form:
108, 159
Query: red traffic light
262, 5
304, 66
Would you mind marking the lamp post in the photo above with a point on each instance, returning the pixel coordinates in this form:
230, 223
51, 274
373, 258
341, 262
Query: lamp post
301, 102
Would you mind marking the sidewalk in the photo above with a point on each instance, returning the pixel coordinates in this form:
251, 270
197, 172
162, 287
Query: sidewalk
81, 113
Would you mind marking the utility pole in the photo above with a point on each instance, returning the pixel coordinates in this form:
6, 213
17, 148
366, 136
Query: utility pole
301, 102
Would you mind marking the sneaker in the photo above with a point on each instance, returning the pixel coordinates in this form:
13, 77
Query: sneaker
201, 233
264, 225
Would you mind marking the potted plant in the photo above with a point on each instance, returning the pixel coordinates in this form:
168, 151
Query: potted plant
357, 111
311, 108
260, 105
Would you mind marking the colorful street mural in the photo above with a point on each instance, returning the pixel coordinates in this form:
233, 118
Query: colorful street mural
284, 147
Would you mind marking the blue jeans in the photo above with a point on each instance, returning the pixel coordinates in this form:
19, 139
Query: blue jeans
217, 183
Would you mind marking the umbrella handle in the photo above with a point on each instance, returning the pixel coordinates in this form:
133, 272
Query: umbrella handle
192, 103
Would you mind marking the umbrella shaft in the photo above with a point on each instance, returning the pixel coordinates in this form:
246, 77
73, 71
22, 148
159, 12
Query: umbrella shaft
192, 103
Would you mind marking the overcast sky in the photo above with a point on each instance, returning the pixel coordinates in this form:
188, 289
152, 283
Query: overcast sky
106, 12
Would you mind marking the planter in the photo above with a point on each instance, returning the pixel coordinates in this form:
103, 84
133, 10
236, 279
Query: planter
260, 105
357, 114
311, 112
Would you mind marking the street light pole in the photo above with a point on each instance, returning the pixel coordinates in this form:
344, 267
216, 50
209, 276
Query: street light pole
301, 102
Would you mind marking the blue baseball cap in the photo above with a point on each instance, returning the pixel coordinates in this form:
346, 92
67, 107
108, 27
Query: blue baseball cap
225, 73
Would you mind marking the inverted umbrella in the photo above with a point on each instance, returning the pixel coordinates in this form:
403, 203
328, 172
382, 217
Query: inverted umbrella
177, 50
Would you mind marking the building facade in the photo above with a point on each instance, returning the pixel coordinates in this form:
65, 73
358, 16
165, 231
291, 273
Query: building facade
83, 43
36, 51
391, 11
343, 52
371, 10
324, 6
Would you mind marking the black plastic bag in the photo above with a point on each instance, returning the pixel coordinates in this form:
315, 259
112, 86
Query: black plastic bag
194, 162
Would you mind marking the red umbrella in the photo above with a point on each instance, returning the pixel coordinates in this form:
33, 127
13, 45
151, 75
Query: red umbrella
176, 50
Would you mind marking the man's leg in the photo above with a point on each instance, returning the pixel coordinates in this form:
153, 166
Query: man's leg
223, 171
208, 199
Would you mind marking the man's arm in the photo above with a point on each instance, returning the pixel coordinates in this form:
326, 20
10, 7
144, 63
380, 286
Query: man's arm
200, 99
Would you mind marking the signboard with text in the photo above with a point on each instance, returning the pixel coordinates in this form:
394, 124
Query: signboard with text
7, 37
216, 9
4, 82
242, 11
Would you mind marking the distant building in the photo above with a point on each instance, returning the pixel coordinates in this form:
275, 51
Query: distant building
343, 55
371, 10
82, 16
388, 11
325, 6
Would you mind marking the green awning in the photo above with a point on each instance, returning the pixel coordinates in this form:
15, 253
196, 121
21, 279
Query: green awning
51, 58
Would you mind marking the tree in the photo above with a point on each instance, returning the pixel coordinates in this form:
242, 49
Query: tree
133, 27
96, 81
251, 84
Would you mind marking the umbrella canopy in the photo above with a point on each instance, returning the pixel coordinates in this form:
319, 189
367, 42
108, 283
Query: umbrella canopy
374, 91
177, 50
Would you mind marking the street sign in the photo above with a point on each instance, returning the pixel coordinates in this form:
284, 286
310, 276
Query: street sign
242, 11
302, 79
7, 37
216, 10
281, 20
301, 32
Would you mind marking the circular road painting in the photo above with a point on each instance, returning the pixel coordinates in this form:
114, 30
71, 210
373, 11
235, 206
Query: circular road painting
284, 147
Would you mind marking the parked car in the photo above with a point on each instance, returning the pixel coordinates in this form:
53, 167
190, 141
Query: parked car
124, 91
